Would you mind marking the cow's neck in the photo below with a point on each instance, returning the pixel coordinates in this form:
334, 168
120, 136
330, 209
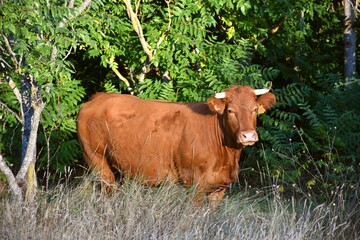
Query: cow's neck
230, 151
227, 140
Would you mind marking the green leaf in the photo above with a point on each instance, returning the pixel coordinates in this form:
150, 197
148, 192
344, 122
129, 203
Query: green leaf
11, 27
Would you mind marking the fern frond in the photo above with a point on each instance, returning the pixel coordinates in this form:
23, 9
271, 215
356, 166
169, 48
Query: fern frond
269, 74
293, 94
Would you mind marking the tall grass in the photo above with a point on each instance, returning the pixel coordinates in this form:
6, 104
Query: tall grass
168, 212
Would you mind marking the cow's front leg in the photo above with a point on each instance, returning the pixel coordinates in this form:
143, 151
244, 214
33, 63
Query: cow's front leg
215, 197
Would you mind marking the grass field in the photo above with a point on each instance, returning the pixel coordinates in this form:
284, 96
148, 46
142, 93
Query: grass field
168, 212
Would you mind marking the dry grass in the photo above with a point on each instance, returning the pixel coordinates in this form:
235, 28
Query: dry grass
167, 212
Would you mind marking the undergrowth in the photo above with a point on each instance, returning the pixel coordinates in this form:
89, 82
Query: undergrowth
168, 212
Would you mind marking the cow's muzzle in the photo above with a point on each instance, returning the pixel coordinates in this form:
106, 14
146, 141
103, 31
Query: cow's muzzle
247, 138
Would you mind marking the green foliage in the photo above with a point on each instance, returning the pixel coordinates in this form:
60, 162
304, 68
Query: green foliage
157, 90
309, 139
317, 151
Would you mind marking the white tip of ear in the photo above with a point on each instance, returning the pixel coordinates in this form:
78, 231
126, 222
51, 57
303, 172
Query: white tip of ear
220, 95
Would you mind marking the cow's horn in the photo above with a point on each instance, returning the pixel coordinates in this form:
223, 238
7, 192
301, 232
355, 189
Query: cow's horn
263, 91
220, 95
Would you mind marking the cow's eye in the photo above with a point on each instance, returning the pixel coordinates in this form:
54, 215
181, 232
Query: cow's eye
230, 111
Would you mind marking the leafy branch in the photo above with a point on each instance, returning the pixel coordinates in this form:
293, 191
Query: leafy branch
146, 47
79, 10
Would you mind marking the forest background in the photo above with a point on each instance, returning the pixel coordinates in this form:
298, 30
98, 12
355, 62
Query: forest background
56, 54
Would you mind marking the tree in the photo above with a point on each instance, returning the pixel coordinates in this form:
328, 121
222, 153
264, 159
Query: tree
35, 40
349, 39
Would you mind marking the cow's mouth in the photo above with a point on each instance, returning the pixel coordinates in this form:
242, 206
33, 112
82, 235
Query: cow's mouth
247, 143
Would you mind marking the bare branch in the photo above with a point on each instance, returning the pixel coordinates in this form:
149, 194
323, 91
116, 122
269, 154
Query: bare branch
10, 178
138, 29
79, 10
161, 39
82, 7
115, 70
11, 111
53, 53
14, 88
68, 54
71, 4
3, 50
145, 69
11, 52
3, 61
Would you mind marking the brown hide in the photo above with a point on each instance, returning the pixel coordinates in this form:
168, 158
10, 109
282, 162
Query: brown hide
193, 144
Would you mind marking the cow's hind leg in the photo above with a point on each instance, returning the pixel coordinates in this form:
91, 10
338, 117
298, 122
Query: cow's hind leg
99, 165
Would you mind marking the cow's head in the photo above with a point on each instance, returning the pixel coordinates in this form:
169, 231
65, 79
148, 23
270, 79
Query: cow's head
238, 108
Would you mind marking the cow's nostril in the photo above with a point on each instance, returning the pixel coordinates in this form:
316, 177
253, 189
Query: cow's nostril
247, 136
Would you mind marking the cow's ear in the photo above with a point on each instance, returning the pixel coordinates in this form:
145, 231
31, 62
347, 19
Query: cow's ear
261, 109
265, 102
216, 105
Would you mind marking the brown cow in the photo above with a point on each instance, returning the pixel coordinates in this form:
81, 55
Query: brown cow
192, 144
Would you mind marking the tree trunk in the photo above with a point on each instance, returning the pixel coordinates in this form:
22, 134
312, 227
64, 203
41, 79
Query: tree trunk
349, 40
32, 106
